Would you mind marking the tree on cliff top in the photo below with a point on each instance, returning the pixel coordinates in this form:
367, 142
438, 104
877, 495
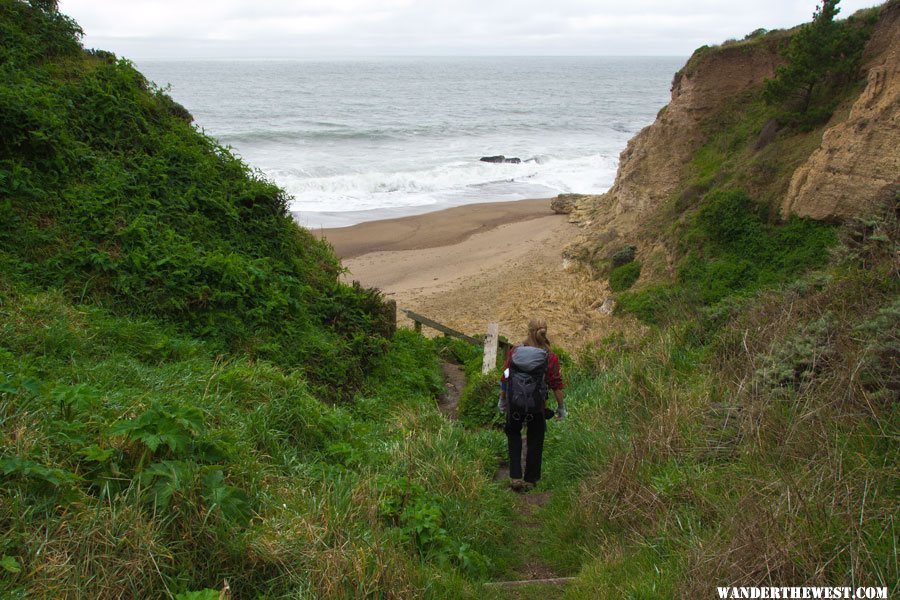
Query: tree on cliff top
822, 56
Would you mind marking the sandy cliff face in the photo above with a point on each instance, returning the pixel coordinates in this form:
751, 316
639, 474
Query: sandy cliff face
653, 163
858, 162
655, 160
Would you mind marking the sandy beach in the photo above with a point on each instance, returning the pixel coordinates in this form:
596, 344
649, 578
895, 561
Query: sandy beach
471, 265
442, 228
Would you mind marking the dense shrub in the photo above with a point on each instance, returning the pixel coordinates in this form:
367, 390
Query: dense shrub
622, 278
823, 57
623, 256
478, 403
688, 447
36, 31
730, 249
122, 203
114, 428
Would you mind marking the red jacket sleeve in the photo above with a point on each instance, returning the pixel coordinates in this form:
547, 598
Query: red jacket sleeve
506, 366
554, 377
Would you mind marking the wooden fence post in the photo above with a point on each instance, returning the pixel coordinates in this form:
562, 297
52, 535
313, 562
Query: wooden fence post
390, 315
490, 348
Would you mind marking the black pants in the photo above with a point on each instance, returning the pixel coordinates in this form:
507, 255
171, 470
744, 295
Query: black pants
535, 426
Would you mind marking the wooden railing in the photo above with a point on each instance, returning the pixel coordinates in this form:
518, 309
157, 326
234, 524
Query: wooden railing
418, 320
491, 343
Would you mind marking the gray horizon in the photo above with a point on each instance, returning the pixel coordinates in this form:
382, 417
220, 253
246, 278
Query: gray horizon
285, 29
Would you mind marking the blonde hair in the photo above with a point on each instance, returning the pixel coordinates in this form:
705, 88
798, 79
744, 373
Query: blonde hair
537, 334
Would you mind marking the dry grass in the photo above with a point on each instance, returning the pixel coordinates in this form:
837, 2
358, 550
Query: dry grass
821, 495
761, 453
616, 496
568, 300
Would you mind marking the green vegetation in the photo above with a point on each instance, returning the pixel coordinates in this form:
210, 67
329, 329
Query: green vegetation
622, 278
478, 404
749, 436
724, 228
623, 256
155, 466
121, 203
188, 394
618, 262
759, 452
729, 251
823, 56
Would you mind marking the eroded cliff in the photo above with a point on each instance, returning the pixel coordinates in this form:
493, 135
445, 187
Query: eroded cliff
858, 162
653, 164
839, 170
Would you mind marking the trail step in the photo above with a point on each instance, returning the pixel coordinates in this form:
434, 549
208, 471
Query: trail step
524, 582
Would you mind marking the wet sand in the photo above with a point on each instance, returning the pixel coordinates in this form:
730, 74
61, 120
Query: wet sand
440, 228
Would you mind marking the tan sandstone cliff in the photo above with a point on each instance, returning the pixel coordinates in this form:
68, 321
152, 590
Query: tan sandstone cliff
655, 161
858, 162
854, 166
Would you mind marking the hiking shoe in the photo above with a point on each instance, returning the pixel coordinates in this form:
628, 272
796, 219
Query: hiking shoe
527, 486
517, 485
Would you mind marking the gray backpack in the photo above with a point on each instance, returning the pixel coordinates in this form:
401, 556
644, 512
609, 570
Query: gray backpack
526, 388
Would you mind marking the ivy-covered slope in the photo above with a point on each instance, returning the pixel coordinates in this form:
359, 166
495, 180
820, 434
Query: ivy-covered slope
109, 193
172, 347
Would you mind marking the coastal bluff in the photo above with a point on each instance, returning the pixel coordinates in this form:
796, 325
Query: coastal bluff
858, 161
840, 170
655, 161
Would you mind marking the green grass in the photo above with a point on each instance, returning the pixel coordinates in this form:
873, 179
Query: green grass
218, 467
729, 249
188, 394
749, 436
122, 203
478, 403
741, 454
725, 233
622, 278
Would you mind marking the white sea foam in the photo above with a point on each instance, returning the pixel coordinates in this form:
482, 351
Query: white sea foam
444, 185
361, 140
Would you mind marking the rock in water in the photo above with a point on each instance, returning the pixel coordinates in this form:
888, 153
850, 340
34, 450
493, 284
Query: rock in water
500, 159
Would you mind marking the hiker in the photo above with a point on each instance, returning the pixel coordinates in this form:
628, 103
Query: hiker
530, 371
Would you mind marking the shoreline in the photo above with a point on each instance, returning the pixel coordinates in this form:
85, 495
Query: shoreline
465, 267
445, 227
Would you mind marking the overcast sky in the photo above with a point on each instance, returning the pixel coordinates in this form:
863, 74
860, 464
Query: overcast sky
146, 29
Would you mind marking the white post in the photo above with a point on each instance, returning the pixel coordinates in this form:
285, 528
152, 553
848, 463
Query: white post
490, 348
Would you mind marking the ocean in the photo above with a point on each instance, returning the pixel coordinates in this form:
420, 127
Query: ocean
356, 140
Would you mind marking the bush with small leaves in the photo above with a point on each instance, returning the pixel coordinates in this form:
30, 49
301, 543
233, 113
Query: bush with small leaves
622, 278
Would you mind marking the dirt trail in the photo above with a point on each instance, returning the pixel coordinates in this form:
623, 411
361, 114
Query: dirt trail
533, 577
454, 381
